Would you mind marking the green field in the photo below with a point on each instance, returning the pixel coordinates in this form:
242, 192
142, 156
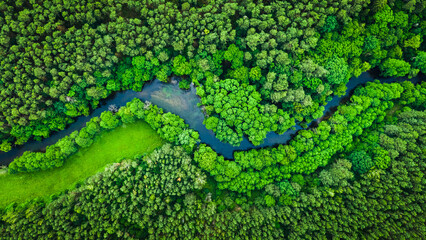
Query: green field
123, 142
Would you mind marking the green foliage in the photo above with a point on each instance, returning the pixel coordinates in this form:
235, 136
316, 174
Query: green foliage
5, 146
149, 186
211, 123
396, 137
338, 70
35, 161
234, 55
371, 43
206, 158
287, 189
84, 139
164, 73
312, 83
338, 174
184, 84
177, 182
138, 62
109, 120
420, 61
169, 126
311, 149
163, 187
394, 67
236, 110
188, 139
413, 42
255, 73
270, 201
60, 58
361, 161
330, 24
298, 179
181, 66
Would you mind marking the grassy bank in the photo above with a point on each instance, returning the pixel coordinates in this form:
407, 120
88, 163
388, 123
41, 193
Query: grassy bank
122, 142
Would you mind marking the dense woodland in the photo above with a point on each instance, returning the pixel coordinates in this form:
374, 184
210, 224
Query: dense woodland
166, 195
258, 67
60, 58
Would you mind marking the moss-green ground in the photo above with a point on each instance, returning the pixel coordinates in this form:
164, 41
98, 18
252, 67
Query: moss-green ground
122, 142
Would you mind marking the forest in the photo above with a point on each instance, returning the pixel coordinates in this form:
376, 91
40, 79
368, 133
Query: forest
138, 171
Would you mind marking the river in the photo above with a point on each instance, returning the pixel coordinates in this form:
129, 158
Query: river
184, 103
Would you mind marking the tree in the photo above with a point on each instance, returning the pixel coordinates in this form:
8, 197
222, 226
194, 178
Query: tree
126, 115
255, 73
181, 66
206, 158
84, 139
109, 120
283, 59
330, 24
211, 123
338, 174
234, 55
361, 161
67, 146
371, 43
5, 146
269, 201
338, 70
93, 127
394, 68
413, 42
420, 61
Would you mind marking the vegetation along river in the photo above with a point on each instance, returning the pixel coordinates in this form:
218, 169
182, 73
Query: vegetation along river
185, 104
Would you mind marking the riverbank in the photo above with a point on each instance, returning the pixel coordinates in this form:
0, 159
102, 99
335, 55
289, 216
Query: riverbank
184, 103
123, 142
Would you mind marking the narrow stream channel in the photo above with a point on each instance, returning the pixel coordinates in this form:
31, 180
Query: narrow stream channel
184, 103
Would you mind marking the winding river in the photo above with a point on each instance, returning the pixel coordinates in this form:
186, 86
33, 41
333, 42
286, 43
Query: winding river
184, 103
